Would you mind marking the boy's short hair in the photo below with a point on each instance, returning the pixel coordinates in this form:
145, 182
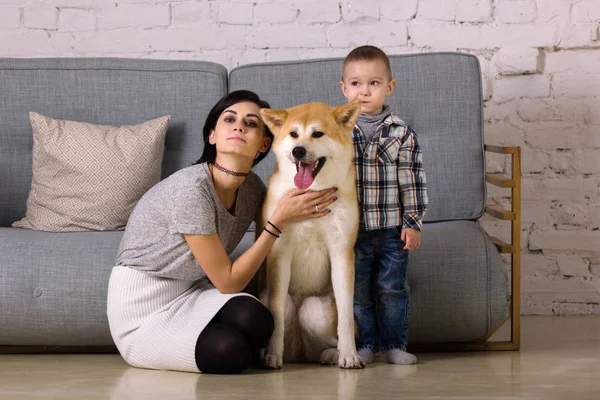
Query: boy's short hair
367, 53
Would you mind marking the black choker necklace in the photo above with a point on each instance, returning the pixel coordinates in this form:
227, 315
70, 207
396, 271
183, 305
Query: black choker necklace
228, 171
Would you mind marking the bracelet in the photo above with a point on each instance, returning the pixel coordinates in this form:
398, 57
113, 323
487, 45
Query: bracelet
278, 230
265, 228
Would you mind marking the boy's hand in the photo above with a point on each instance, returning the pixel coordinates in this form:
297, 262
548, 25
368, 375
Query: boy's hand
411, 237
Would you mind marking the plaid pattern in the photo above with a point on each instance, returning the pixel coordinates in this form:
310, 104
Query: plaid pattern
390, 179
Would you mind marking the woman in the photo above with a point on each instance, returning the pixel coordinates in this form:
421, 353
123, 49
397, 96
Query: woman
174, 298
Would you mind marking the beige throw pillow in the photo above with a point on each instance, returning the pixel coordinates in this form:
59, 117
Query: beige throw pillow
89, 177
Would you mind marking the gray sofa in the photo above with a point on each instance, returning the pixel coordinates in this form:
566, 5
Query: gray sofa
53, 285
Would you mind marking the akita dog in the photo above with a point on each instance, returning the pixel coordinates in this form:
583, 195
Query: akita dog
310, 269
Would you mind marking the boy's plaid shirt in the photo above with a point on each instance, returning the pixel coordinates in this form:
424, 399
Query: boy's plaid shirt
390, 179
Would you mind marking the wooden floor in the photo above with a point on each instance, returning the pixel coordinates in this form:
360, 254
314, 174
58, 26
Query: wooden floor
559, 359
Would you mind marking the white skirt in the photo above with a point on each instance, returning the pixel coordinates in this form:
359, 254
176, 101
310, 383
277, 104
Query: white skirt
155, 322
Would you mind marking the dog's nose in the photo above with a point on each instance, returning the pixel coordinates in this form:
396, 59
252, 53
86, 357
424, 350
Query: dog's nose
298, 152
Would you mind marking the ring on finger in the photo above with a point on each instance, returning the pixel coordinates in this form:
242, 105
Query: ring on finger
316, 208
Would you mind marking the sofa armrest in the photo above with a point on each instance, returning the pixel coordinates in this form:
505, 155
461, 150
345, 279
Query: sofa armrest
512, 182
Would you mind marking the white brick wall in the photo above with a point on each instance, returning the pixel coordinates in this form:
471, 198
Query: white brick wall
517, 11
276, 13
315, 12
190, 13
233, 13
437, 10
394, 10
541, 88
522, 86
138, 16
42, 17
10, 17
585, 11
73, 19
473, 10
353, 10
513, 60
391, 34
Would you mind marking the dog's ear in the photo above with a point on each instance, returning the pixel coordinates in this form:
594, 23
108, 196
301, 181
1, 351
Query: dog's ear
346, 115
273, 118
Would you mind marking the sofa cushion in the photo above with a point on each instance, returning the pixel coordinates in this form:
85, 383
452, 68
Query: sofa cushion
105, 91
89, 177
53, 287
458, 283
438, 94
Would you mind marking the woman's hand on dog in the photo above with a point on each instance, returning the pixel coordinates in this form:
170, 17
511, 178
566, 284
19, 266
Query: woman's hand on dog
299, 204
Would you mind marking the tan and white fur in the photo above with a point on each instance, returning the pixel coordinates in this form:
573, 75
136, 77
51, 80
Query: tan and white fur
310, 269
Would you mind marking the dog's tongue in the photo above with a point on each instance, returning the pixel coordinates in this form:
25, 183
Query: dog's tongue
304, 178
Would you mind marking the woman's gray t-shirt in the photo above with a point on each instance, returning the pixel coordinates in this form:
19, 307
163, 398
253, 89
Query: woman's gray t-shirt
185, 203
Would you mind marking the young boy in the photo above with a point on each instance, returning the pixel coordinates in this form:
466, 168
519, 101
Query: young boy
392, 193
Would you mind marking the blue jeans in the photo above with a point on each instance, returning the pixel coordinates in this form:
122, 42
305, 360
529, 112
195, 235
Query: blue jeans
381, 301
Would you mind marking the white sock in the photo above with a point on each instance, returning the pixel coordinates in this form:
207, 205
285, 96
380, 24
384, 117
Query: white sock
397, 356
366, 356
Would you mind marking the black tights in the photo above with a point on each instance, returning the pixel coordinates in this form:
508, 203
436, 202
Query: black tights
233, 336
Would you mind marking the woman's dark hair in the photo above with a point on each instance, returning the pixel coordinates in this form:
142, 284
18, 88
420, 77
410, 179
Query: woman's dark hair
239, 96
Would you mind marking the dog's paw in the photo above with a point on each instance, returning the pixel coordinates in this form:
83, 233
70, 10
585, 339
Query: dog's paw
270, 361
350, 361
272, 356
330, 356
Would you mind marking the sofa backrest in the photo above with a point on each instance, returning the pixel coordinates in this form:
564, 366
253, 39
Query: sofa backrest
438, 94
101, 91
